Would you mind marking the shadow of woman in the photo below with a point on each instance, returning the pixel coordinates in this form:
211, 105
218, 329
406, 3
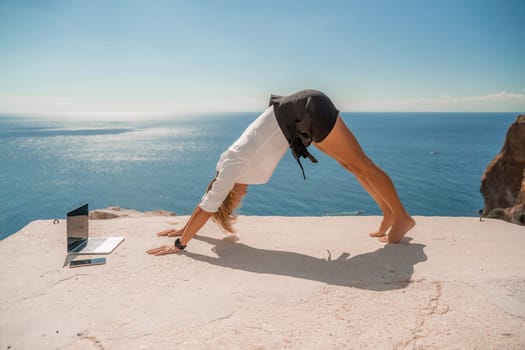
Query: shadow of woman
388, 268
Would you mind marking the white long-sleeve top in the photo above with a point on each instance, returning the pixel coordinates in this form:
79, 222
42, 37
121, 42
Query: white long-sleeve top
251, 159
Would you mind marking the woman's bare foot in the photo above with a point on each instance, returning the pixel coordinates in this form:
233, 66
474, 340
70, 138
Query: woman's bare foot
385, 224
398, 230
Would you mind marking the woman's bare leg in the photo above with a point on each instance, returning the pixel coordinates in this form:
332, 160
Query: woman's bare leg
341, 145
388, 216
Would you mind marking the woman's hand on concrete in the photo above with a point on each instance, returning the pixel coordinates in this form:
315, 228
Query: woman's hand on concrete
163, 250
170, 233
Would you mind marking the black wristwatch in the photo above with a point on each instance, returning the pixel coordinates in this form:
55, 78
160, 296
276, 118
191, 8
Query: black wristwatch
179, 245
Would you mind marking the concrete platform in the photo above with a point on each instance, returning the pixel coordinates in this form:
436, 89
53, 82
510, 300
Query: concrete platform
286, 283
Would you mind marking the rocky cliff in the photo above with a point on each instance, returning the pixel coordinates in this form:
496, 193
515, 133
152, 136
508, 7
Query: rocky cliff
503, 182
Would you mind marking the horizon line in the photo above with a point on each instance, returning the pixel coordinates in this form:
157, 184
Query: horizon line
223, 112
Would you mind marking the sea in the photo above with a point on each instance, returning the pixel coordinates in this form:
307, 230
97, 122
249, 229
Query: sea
49, 165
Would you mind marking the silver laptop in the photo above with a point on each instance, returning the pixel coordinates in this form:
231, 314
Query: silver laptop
78, 241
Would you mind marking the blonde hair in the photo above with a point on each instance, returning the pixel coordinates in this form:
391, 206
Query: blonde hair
225, 216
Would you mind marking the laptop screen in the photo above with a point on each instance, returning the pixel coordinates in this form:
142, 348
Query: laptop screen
77, 226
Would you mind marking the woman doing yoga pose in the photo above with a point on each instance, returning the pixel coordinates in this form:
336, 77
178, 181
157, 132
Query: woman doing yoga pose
294, 121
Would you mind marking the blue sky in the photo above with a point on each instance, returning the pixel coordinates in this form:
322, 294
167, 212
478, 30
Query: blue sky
182, 57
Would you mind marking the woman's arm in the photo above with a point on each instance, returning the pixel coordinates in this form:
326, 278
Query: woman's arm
194, 224
224, 182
